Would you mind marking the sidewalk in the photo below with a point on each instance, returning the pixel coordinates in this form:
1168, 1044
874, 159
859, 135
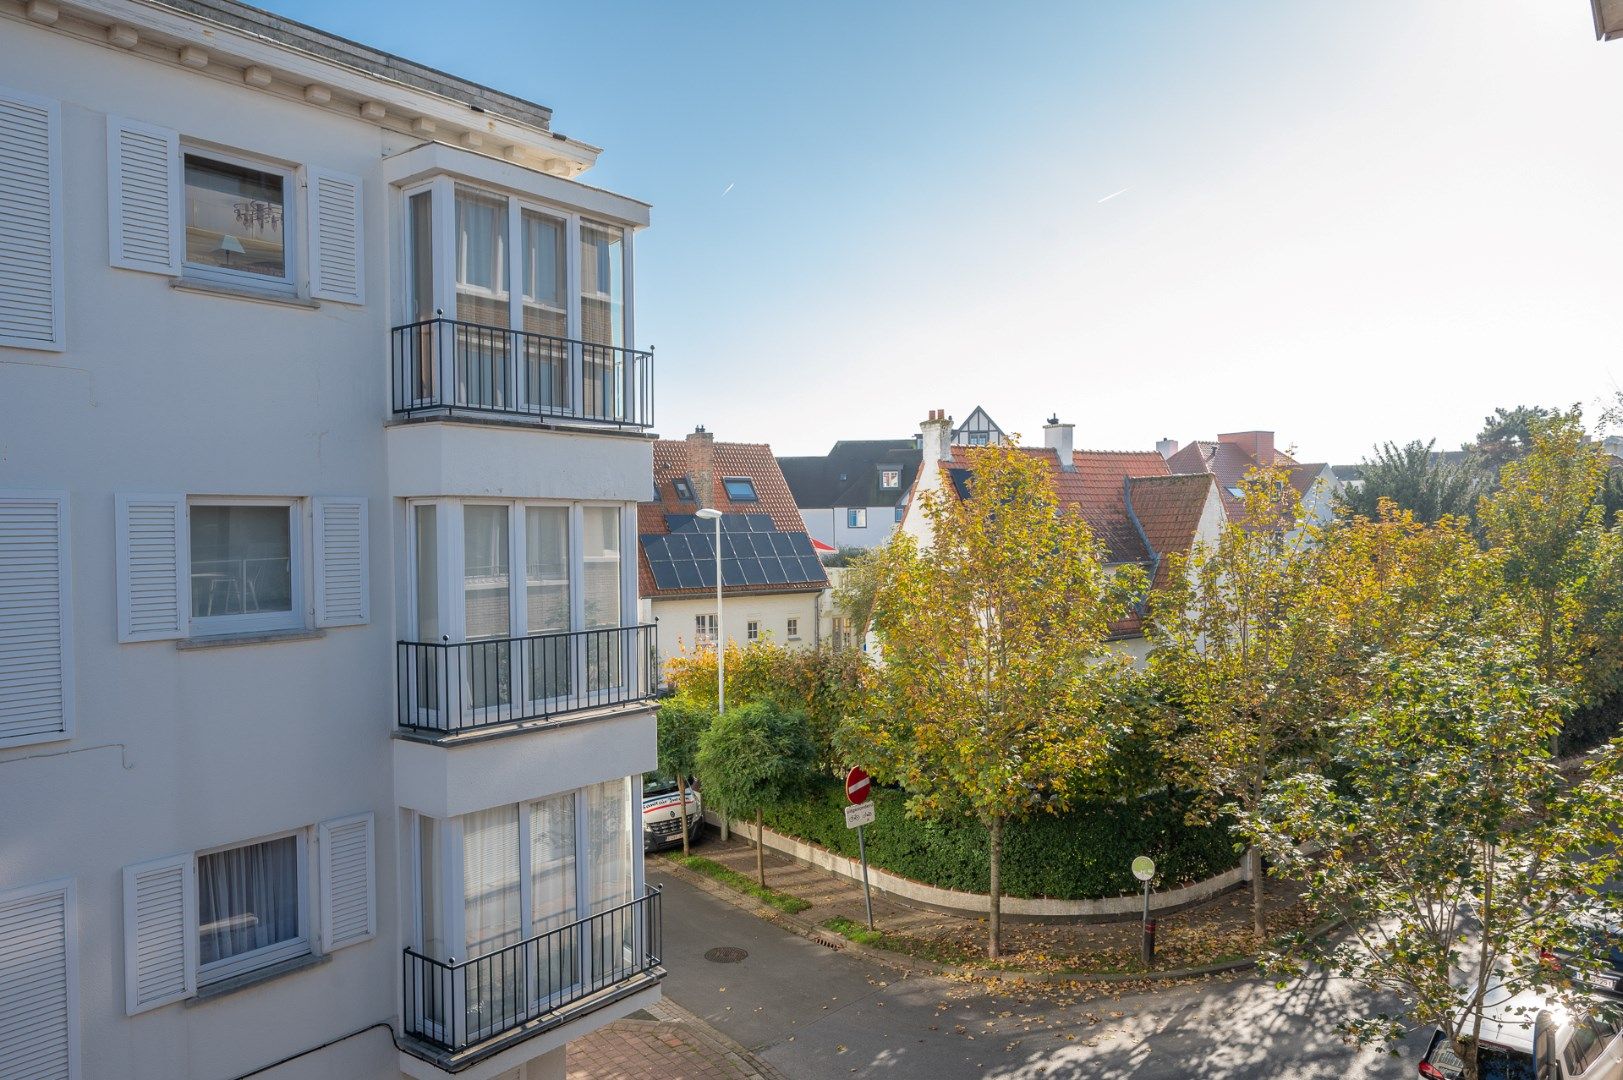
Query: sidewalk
1217, 931
672, 1045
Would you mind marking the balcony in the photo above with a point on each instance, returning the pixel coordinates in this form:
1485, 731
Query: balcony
448, 689
443, 367
488, 1003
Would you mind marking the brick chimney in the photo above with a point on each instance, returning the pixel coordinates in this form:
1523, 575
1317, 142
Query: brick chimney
1259, 444
1166, 447
936, 437
701, 449
1058, 437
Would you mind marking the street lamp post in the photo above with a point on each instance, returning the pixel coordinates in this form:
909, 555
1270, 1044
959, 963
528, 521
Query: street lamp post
709, 514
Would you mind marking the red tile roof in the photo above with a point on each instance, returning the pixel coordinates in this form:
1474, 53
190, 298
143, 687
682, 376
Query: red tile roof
1169, 509
1229, 463
753, 460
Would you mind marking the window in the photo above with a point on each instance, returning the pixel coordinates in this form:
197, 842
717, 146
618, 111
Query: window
739, 488
684, 488
602, 284
901, 511
792, 630
752, 630
1237, 492
245, 567
704, 631
856, 517
237, 220
890, 479
1589, 1040
979, 438
250, 907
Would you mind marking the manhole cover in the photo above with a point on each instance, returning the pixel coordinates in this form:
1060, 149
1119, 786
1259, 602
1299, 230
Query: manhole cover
726, 954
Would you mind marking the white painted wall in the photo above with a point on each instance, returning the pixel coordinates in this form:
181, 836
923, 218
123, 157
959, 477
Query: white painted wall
164, 390
832, 528
675, 618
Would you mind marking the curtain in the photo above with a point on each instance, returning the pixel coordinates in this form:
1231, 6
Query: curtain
602, 570
552, 893
247, 899
546, 573
487, 604
608, 840
490, 870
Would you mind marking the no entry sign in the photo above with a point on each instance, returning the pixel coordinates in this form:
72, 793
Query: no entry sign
857, 785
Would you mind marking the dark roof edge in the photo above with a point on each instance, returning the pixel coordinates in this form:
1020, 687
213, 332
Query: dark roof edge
363, 58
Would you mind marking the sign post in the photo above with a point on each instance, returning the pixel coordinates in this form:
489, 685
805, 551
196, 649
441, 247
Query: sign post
1144, 870
859, 814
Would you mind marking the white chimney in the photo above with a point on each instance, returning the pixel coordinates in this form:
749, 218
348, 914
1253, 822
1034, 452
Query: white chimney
1058, 438
1166, 447
935, 436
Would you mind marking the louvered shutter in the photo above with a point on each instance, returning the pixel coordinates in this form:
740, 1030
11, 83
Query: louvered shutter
348, 909
38, 1002
341, 578
30, 222
160, 932
36, 692
153, 567
143, 196
335, 236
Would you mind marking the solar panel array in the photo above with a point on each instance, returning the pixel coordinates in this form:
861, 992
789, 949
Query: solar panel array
753, 552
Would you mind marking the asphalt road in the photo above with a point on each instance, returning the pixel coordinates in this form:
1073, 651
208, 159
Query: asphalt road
818, 1014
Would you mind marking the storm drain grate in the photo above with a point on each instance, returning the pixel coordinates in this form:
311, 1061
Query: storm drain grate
726, 954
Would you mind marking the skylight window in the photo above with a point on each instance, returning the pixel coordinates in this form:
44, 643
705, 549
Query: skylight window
684, 488
739, 488
1238, 493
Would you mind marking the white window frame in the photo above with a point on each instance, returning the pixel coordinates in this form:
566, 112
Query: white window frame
890, 479
705, 630
292, 222
269, 955
856, 517
297, 617
752, 630
792, 629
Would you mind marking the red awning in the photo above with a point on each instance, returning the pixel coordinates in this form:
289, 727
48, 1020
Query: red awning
822, 548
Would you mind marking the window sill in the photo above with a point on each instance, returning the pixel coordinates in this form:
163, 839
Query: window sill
241, 292
254, 978
259, 637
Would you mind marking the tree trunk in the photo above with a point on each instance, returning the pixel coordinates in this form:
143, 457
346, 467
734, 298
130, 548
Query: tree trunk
682, 786
1258, 919
994, 941
760, 848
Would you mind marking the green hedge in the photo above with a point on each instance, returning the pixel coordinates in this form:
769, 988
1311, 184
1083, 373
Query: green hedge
1082, 855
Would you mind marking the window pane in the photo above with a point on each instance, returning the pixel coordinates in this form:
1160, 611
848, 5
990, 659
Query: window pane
490, 869
546, 539
422, 256
602, 573
552, 863
602, 285
234, 218
425, 520
608, 833
247, 899
739, 488
485, 571
544, 307
481, 258
430, 896
241, 560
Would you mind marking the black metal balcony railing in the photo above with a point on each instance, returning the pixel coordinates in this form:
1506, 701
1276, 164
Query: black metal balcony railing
457, 1003
453, 687
444, 364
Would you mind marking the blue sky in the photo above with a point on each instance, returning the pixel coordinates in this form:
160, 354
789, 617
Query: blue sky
1344, 221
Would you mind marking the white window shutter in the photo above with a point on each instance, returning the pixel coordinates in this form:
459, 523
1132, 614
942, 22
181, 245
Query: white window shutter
30, 222
154, 563
341, 558
144, 217
160, 932
39, 1003
348, 905
335, 236
36, 687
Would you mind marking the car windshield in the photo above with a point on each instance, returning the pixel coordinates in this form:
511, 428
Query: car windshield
1496, 1063
653, 785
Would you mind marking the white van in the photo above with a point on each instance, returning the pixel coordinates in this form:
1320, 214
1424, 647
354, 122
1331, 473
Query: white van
1525, 1036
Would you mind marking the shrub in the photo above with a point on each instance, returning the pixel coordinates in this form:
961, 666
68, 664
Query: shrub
1082, 855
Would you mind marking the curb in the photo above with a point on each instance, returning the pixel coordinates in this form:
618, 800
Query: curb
909, 965
736, 1053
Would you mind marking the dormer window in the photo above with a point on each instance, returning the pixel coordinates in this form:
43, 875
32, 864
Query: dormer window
890, 479
684, 488
740, 488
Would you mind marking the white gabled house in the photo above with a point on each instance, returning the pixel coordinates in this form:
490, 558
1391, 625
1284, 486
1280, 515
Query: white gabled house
323, 697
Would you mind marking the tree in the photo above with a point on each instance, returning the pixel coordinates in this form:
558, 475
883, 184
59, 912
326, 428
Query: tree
1413, 477
1507, 435
857, 588
1239, 654
1445, 837
1561, 563
989, 700
751, 757
682, 722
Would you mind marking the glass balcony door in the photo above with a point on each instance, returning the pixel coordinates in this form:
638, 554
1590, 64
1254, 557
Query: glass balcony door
545, 361
481, 345
548, 603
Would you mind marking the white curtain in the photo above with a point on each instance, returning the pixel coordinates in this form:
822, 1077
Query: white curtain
602, 566
608, 839
490, 879
248, 898
552, 893
485, 565
546, 539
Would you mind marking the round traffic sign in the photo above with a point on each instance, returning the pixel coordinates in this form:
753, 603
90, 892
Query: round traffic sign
857, 785
1143, 868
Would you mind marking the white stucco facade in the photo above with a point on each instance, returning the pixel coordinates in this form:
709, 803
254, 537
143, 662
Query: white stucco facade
771, 613
180, 745
834, 527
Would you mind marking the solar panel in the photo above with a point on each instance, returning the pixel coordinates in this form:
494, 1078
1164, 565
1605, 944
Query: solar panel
802, 545
754, 553
773, 568
811, 569
687, 575
665, 575
656, 549
707, 574
681, 522
782, 544
753, 573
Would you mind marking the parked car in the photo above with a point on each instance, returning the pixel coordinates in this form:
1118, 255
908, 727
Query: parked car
1586, 1049
662, 812
1606, 941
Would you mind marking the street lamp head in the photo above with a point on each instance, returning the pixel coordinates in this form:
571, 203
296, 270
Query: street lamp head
707, 513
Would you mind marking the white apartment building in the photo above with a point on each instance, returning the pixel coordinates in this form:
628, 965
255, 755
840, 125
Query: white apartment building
323, 700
